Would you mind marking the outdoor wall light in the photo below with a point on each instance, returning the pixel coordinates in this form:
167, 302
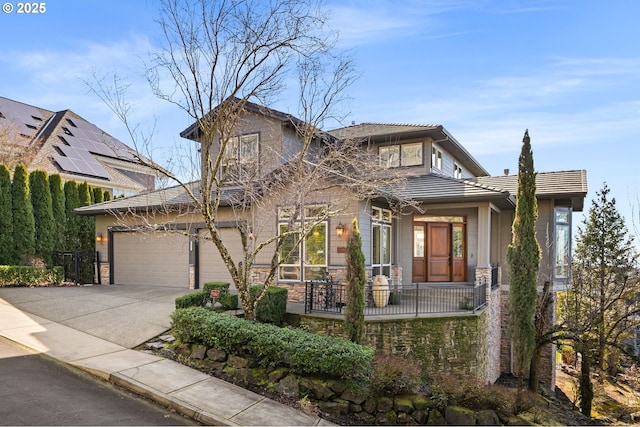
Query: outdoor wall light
341, 230
100, 238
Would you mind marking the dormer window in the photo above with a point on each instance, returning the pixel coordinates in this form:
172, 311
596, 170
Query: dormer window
240, 157
457, 171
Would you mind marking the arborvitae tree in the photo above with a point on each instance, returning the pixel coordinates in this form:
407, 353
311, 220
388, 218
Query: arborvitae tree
6, 218
97, 195
23, 222
356, 282
87, 223
523, 256
106, 196
58, 211
42, 215
72, 240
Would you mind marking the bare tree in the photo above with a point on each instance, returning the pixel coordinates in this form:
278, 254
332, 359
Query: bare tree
220, 57
15, 148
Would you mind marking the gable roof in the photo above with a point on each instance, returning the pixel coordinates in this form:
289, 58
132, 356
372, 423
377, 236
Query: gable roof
64, 142
393, 132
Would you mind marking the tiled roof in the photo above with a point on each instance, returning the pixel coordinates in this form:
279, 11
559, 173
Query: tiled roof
364, 130
165, 199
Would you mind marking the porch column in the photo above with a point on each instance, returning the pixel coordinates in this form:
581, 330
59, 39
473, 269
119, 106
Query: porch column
484, 236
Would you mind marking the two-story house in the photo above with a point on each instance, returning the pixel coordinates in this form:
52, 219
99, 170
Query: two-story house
456, 233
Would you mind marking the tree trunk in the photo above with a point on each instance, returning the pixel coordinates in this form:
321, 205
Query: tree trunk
534, 371
586, 387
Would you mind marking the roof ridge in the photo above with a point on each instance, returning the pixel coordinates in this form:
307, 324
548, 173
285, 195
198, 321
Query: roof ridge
28, 105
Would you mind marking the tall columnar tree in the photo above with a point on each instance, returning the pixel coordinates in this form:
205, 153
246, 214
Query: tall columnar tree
106, 196
58, 211
523, 256
97, 195
23, 222
87, 229
42, 215
71, 201
6, 218
356, 282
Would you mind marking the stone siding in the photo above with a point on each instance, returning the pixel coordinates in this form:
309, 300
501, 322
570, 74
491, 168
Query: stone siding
454, 345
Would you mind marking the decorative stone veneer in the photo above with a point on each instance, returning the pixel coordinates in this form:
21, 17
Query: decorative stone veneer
457, 345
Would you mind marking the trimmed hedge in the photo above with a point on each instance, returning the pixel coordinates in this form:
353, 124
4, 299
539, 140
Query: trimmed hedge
196, 299
273, 305
300, 351
227, 300
20, 275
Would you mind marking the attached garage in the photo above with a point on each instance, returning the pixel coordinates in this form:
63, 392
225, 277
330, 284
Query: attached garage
151, 259
210, 265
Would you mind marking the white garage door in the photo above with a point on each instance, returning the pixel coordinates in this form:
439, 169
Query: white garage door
211, 267
151, 259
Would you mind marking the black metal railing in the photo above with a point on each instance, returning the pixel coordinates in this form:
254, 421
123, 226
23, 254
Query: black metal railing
78, 266
419, 298
494, 276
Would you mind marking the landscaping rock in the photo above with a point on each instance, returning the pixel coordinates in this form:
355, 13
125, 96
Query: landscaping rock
278, 374
167, 338
403, 404
353, 397
366, 418
385, 404
155, 345
353, 408
459, 416
337, 386
237, 361
404, 418
420, 416
198, 352
213, 366
216, 355
436, 418
370, 405
183, 350
487, 417
386, 418
335, 408
319, 390
421, 402
288, 386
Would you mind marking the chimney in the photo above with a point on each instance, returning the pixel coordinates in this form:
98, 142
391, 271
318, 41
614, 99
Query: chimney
506, 172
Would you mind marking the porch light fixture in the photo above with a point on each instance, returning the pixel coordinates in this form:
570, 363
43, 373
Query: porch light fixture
99, 238
341, 230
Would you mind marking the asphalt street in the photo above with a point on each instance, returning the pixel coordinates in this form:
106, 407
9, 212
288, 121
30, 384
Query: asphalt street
35, 390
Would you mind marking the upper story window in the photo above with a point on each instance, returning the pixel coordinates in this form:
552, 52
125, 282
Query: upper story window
562, 247
241, 154
393, 156
436, 158
457, 171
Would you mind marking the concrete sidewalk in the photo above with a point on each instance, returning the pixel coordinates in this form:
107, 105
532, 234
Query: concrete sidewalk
190, 392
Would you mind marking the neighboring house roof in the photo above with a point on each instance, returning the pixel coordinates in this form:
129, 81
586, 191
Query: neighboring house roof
549, 185
391, 132
63, 142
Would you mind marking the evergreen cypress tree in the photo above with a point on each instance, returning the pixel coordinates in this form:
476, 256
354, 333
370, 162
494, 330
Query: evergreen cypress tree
356, 282
87, 224
42, 215
72, 237
6, 218
97, 195
106, 196
523, 257
23, 223
58, 210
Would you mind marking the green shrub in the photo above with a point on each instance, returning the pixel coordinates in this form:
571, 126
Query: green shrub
196, 299
22, 275
221, 287
300, 351
229, 301
273, 305
395, 375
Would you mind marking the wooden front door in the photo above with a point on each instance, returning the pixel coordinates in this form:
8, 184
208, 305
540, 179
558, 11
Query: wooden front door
439, 252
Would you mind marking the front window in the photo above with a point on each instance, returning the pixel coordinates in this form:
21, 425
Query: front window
393, 156
381, 241
240, 156
308, 259
562, 258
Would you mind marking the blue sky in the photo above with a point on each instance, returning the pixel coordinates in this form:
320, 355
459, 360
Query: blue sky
567, 70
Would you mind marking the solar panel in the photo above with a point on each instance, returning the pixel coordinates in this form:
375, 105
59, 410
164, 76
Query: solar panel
26, 118
79, 160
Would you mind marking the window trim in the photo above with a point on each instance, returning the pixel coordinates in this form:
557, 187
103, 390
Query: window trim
395, 155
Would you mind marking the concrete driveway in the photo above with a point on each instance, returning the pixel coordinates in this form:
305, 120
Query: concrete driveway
124, 315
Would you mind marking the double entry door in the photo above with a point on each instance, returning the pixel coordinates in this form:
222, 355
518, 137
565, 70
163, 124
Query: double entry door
439, 252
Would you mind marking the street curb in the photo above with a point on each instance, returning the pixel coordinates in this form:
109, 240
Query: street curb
164, 399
